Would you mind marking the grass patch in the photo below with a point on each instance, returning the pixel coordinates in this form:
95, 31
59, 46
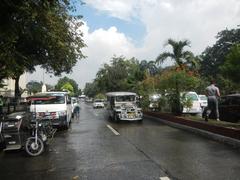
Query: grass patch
212, 122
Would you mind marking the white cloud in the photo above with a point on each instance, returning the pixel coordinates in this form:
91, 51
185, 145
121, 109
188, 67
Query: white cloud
102, 45
123, 9
195, 20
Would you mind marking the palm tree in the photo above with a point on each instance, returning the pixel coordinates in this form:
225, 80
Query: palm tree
182, 58
149, 66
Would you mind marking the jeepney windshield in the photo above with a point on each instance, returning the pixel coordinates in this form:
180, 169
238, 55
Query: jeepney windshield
125, 98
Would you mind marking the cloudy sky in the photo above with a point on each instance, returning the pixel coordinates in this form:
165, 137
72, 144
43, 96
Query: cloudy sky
139, 28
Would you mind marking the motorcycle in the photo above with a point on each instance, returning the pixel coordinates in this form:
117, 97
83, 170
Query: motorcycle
41, 134
25, 130
42, 131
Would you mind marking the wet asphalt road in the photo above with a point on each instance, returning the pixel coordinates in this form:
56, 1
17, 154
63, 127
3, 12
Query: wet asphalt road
148, 150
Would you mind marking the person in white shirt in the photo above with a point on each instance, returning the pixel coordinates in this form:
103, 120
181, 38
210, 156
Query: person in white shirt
212, 93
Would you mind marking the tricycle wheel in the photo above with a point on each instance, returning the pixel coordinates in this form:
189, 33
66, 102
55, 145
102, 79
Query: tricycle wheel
116, 118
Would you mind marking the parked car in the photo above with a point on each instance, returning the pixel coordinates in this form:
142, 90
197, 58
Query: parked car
203, 101
154, 102
153, 106
196, 107
98, 103
229, 108
122, 106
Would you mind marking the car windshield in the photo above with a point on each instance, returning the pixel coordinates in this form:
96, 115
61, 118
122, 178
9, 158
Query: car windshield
74, 100
49, 100
193, 97
98, 100
125, 98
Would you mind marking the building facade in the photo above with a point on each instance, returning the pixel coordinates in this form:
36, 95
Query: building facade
9, 86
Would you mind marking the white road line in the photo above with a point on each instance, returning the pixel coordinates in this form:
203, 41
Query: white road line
113, 130
164, 178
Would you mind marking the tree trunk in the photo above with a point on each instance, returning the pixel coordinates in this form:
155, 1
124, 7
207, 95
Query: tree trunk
176, 106
178, 103
17, 89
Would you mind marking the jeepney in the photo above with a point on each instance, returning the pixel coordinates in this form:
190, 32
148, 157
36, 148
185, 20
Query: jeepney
122, 106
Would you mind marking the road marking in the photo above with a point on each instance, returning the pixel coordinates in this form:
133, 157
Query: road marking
164, 178
113, 130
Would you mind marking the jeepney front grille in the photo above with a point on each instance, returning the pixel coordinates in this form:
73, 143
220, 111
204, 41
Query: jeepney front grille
130, 110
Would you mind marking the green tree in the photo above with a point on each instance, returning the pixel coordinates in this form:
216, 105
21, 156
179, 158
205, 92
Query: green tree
183, 60
120, 75
231, 67
62, 81
34, 87
172, 82
68, 87
79, 92
149, 66
38, 33
100, 96
91, 89
181, 57
214, 57
146, 87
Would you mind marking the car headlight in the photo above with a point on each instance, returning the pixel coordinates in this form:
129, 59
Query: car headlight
62, 113
118, 111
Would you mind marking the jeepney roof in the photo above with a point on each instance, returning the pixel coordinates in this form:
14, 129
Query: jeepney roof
121, 94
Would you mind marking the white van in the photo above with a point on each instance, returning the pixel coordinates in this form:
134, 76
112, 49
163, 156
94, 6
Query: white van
52, 105
196, 106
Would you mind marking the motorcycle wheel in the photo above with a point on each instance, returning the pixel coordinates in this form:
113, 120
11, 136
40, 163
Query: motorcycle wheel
32, 148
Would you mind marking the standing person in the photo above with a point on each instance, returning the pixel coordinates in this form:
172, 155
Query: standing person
212, 93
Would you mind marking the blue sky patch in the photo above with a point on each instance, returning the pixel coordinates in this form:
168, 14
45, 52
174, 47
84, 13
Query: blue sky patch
133, 29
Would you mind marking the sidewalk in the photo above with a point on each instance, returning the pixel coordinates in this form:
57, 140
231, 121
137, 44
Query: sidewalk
228, 135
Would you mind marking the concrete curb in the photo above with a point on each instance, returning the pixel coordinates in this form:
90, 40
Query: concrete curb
224, 139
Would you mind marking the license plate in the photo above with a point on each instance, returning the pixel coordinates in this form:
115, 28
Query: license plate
48, 117
7, 136
12, 142
131, 115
